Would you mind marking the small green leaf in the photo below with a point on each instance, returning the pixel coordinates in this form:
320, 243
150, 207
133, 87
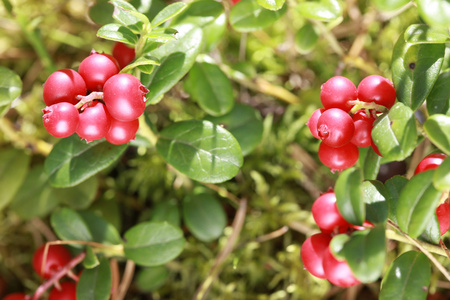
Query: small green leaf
248, 15
130, 19
271, 4
394, 186
10, 87
435, 12
395, 132
118, 33
123, 4
95, 284
437, 128
375, 197
204, 216
91, 260
200, 13
101, 12
432, 231
152, 244
166, 211
306, 38
417, 203
211, 88
349, 196
162, 35
13, 171
72, 161
407, 278
201, 150
101, 231
438, 101
69, 226
424, 34
168, 12
337, 244
441, 178
389, 5
371, 164
151, 278
324, 10
144, 63
79, 196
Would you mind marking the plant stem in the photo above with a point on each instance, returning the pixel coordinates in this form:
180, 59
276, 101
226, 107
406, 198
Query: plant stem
89, 98
126, 279
365, 105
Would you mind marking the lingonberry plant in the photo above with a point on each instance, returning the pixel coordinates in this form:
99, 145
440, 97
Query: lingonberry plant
206, 149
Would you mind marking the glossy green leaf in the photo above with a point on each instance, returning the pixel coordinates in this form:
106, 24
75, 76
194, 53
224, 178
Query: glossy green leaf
407, 278
435, 12
417, 203
337, 244
306, 38
199, 13
395, 132
79, 196
101, 231
123, 4
371, 164
101, 12
204, 216
10, 87
271, 4
203, 151
214, 32
133, 20
375, 196
438, 101
394, 186
95, 284
211, 88
389, 5
176, 59
72, 161
366, 254
324, 10
248, 15
166, 211
437, 128
424, 34
162, 35
109, 210
168, 12
432, 231
13, 171
118, 33
69, 226
152, 244
441, 178
349, 196
415, 69
151, 278
244, 123
145, 63
91, 260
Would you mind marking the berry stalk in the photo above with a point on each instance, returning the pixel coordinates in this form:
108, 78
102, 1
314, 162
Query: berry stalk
89, 98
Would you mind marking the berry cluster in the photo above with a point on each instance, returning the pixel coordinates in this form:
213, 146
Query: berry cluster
315, 252
345, 123
95, 102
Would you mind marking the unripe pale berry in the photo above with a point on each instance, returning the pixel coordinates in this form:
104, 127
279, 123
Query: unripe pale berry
335, 127
57, 257
94, 122
336, 92
61, 119
122, 132
96, 69
312, 252
63, 86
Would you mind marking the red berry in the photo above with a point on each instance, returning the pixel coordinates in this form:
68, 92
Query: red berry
338, 159
338, 272
430, 162
326, 213
312, 122
122, 132
443, 216
68, 291
94, 122
363, 129
335, 127
57, 257
61, 119
123, 54
336, 92
63, 86
375, 88
96, 69
17, 296
312, 252
375, 148
124, 96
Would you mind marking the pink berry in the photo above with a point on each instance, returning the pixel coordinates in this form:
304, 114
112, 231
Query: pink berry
61, 119
123, 54
336, 92
335, 127
67, 291
326, 213
377, 89
312, 122
122, 132
17, 296
94, 122
338, 159
363, 129
338, 272
430, 162
96, 69
312, 252
63, 86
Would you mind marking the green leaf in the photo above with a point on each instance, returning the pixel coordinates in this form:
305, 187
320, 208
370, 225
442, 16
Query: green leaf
166, 211
432, 231
435, 12
8, 6
168, 12
204, 216
306, 38
395, 132
145, 63
248, 15
199, 13
72, 161
437, 128
438, 101
101, 12
10, 87
375, 197
162, 35
91, 260
371, 164
441, 178
424, 34
133, 20
389, 5
79, 196
417, 203
349, 198
271, 4
211, 88
407, 278
176, 59
123, 4
118, 33
95, 284
337, 244
101, 231
214, 32
366, 254
415, 69
151, 278
244, 123
13, 171
394, 186
152, 244
324, 10
69, 226
203, 151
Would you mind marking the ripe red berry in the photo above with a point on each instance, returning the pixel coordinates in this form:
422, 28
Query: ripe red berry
312, 122
124, 96
122, 132
335, 127
430, 162
312, 252
68, 291
443, 216
338, 272
61, 119
338, 159
326, 213
17, 296
363, 129
123, 54
375, 88
96, 69
336, 92
57, 257
63, 86
94, 122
